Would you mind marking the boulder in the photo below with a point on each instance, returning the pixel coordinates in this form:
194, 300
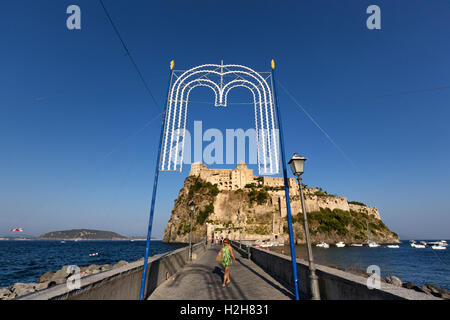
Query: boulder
119, 264
60, 276
445, 296
408, 285
394, 281
422, 289
44, 285
433, 289
21, 289
46, 276
437, 292
5, 294
92, 269
105, 267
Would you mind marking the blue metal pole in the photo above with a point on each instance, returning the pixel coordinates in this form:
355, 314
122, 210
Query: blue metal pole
155, 188
286, 187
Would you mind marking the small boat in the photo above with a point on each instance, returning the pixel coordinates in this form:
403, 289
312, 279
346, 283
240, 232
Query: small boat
393, 246
373, 244
418, 246
322, 245
340, 244
438, 247
63, 241
356, 245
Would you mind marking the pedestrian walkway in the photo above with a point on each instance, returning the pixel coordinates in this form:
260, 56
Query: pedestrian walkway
202, 280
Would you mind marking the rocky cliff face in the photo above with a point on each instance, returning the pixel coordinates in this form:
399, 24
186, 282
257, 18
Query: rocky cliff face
262, 215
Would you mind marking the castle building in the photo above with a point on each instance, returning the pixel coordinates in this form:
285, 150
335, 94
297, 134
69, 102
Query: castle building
234, 179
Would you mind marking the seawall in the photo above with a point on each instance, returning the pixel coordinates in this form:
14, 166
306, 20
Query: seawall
122, 283
333, 284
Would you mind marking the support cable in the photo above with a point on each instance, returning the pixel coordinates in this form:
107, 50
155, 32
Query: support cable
129, 55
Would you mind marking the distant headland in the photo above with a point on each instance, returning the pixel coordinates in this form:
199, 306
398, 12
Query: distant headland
77, 235
82, 234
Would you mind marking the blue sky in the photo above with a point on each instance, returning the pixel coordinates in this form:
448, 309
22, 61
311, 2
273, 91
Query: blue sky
77, 149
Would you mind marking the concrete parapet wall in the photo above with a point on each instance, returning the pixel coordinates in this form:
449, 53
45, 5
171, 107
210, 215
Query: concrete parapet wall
123, 283
334, 284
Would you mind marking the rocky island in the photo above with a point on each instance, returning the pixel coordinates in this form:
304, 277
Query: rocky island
82, 234
229, 201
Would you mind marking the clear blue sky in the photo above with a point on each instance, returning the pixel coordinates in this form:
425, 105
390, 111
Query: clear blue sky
74, 152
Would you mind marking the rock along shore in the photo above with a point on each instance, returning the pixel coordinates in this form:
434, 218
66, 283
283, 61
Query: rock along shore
51, 278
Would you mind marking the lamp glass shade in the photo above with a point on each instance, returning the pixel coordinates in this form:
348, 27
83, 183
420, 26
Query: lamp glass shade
191, 205
297, 164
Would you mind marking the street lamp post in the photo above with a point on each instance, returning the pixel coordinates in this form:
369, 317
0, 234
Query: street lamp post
239, 226
297, 164
191, 205
206, 240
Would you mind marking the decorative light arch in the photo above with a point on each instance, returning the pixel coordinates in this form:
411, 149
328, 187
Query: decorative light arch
221, 79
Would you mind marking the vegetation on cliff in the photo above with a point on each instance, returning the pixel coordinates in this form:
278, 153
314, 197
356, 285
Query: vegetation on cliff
339, 225
259, 212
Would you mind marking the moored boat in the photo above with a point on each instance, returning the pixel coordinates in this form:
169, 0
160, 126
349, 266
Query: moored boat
340, 244
322, 245
373, 244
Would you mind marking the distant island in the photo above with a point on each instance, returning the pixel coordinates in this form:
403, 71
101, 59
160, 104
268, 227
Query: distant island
82, 234
76, 235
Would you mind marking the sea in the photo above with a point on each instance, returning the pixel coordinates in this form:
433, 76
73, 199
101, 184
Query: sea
419, 266
26, 261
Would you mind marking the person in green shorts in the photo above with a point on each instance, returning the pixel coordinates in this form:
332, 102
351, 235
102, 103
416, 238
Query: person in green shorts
226, 254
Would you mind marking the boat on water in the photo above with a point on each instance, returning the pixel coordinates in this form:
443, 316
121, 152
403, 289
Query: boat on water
417, 246
62, 242
267, 244
393, 246
435, 247
322, 245
356, 245
371, 244
340, 244
441, 243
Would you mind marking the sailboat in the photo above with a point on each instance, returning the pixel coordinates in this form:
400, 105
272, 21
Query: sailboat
371, 244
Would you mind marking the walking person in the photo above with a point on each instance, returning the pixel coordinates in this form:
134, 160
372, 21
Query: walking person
226, 253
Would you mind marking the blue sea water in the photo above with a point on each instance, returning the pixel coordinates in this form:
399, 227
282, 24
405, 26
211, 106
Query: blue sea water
26, 261
420, 266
